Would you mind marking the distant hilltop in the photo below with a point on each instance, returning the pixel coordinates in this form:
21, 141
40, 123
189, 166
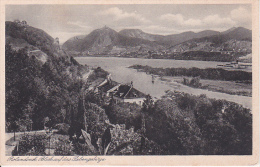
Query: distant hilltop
21, 23
108, 41
20, 34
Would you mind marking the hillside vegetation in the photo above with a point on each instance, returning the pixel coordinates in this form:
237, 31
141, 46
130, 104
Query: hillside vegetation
184, 124
37, 89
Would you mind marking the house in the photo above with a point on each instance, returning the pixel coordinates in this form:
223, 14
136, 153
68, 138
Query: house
23, 23
121, 92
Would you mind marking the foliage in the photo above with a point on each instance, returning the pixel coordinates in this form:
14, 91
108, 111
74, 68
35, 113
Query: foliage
83, 149
208, 73
195, 82
148, 104
226, 127
35, 91
33, 36
62, 128
125, 113
96, 98
63, 147
96, 117
98, 73
31, 145
172, 129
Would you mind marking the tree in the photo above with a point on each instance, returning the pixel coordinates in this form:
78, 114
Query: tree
14, 127
148, 104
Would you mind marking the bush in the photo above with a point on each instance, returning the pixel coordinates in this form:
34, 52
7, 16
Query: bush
63, 147
226, 126
125, 113
62, 128
186, 124
83, 149
32, 145
173, 129
195, 82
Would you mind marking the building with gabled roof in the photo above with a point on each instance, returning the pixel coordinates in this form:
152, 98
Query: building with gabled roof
122, 92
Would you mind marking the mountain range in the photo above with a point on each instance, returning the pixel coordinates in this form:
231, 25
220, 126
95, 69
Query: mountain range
108, 41
172, 39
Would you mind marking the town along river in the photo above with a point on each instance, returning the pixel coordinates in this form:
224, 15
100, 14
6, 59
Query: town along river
118, 67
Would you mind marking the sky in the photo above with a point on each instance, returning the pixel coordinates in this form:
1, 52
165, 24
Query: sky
66, 21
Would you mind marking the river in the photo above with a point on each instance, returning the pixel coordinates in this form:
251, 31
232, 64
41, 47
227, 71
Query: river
118, 67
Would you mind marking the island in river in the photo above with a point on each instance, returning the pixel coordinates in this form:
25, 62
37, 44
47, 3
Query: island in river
213, 79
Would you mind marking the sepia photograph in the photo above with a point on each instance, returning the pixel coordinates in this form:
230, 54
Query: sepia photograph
128, 80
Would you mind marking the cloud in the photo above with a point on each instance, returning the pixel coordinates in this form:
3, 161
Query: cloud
79, 24
119, 15
241, 16
193, 22
208, 22
216, 20
178, 18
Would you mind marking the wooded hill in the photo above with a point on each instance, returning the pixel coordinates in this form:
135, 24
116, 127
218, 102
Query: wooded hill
41, 79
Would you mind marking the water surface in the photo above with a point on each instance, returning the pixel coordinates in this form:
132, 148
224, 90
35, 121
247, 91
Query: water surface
118, 67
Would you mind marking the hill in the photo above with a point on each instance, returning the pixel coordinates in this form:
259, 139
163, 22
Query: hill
106, 40
137, 33
26, 35
239, 33
136, 43
41, 79
185, 36
167, 39
235, 40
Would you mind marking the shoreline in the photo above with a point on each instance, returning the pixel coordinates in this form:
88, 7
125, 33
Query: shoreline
109, 56
212, 85
218, 64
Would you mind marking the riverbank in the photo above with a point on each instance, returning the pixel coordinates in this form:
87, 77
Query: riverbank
216, 80
228, 87
118, 68
189, 55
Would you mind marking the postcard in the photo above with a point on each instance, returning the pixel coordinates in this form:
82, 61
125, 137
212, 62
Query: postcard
129, 82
